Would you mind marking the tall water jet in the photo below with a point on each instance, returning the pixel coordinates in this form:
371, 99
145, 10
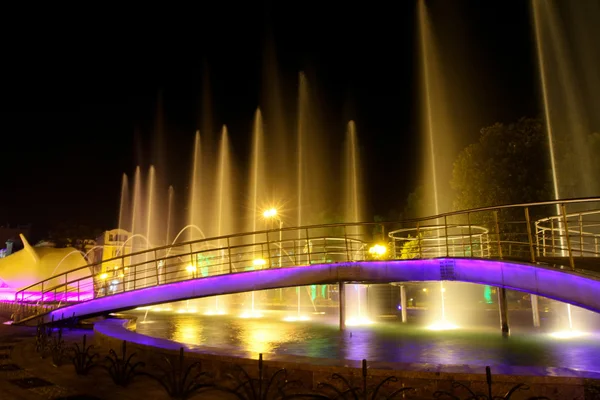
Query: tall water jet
353, 212
170, 211
223, 207
223, 200
151, 212
257, 178
314, 179
437, 130
195, 197
124, 216
137, 211
352, 191
567, 59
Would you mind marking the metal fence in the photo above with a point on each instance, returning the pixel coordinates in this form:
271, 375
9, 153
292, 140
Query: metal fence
561, 233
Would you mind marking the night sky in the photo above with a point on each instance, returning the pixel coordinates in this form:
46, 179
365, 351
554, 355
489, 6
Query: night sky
83, 92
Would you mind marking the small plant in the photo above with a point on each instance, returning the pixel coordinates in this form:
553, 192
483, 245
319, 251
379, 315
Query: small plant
43, 340
362, 392
57, 349
481, 396
121, 369
82, 357
181, 381
276, 386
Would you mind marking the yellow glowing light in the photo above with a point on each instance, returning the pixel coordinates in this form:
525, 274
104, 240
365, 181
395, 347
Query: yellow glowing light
259, 262
296, 318
116, 267
378, 250
357, 321
217, 312
442, 326
190, 268
567, 334
270, 213
424, 289
251, 314
104, 276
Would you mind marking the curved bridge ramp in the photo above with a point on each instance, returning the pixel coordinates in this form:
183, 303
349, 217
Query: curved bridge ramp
575, 288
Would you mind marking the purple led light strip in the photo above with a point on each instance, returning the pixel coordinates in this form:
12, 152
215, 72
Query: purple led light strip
556, 284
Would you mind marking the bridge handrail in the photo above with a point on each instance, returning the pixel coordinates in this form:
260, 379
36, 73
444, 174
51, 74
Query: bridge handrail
272, 240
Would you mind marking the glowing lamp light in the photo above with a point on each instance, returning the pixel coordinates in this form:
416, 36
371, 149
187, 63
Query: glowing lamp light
270, 213
378, 250
190, 268
259, 262
103, 276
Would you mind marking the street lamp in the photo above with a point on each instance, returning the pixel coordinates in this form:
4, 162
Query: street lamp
272, 213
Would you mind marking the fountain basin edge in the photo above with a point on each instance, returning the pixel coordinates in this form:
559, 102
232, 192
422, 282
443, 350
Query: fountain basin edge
426, 378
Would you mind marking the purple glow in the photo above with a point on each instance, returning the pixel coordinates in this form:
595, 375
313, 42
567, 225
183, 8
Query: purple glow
561, 285
32, 297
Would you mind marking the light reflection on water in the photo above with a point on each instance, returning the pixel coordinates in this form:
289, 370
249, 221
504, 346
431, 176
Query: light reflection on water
383, 341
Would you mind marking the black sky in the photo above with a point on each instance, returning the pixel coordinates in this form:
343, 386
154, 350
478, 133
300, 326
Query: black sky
79, 88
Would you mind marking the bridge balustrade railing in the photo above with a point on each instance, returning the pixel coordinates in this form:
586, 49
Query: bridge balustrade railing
530, 232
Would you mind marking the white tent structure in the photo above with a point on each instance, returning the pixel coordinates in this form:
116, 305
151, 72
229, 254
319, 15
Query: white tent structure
34, 264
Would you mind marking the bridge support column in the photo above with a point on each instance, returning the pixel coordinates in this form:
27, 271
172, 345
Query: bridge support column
503, 308
342, 296
403, 302
535, 310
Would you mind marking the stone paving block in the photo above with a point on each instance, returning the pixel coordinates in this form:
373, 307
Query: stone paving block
9, 367
30, 382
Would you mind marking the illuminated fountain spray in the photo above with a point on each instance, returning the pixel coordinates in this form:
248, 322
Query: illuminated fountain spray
435, 125
567, 62
356, 299
223, 202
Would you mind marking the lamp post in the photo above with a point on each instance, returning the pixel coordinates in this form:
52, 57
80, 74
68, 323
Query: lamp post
271, 213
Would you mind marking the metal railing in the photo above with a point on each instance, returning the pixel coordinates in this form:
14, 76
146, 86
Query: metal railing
530, 232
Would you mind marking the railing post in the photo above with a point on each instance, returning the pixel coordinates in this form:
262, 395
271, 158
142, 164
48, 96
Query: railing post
537, 240
229, 255
346, 241
269, 249
446, 234
125, 277
155, 266
529, 236
66, 287
419, 240
498, 234
42, 294
78, 291
564, 215
308, 246
580, 235
470, 234
552, 234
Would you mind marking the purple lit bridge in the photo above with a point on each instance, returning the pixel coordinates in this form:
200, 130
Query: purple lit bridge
548, 249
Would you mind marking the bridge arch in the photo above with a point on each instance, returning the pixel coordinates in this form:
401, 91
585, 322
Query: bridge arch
559, 284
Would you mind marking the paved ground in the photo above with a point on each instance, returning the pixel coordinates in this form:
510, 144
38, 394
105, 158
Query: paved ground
24, 375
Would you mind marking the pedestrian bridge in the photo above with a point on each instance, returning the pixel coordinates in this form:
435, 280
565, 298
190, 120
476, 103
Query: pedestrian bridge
548, 249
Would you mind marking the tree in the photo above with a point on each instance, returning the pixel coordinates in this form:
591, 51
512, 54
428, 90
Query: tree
509, 164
